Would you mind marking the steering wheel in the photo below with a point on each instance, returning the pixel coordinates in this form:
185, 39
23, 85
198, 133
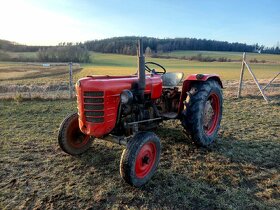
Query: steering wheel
147, 68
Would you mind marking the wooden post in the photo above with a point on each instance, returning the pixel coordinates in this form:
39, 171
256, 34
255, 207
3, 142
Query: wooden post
70, 80
241, 76
256, 81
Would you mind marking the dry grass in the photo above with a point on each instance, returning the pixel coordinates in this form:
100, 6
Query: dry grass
240, 171
34, 73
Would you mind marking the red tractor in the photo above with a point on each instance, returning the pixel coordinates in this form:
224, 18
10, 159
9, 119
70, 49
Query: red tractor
124, 110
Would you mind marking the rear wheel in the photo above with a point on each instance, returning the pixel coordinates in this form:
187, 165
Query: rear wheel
70, 138
140, 159
203, 114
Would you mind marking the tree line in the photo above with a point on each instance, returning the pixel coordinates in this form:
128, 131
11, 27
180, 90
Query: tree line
79, 52
64, 52
127, 45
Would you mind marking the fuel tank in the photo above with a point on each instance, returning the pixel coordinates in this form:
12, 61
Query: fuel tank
98, 99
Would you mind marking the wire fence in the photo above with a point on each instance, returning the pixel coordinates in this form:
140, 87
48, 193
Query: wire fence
21, 87
59, 91
62, 91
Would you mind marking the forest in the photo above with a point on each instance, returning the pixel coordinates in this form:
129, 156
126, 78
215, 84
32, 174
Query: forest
79, 52
126, 45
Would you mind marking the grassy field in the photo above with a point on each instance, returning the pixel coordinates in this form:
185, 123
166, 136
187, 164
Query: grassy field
240, 171
25, 71
112, 64
234, 56
34, 73
121, 64
30, 55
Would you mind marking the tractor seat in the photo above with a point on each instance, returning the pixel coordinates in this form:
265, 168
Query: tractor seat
172, 79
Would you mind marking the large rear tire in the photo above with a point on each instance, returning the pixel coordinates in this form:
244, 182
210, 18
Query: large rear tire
202, 116
70, 138
140, 159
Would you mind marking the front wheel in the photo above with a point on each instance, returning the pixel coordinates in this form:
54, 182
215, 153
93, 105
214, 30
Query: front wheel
70, 138
140, 159
202, 116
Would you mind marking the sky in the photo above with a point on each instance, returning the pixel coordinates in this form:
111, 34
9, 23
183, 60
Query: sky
49, 22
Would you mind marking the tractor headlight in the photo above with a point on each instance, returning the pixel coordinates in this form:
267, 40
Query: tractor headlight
126, 97
78, 83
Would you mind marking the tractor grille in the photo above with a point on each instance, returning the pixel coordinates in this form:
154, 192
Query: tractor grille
94, 93
94, 106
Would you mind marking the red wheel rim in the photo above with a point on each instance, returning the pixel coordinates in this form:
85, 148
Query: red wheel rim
211, 114
145, 160
75, 137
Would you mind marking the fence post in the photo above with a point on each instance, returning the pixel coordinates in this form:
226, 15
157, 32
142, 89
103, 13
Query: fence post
70, 80
256, 81
244, 63
241, 75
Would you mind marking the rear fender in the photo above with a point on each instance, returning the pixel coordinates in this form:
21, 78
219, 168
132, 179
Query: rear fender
193, 78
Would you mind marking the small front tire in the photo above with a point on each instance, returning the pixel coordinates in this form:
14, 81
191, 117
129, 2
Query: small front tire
140, 159
70, 138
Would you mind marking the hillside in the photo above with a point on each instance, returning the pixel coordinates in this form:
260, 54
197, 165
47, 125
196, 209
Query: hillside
127, 45
6, 45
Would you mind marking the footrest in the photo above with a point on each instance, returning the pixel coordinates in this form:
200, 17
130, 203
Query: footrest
170, 115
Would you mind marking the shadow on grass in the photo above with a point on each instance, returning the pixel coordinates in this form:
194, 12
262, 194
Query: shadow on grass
226, 175
261, 153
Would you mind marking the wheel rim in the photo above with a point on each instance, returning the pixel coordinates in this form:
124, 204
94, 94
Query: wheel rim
145, 160
211, 114
75, 137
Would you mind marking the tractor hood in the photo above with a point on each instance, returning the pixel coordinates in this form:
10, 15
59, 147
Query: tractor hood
98, 100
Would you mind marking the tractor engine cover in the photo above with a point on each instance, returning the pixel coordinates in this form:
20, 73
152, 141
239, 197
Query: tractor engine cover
98, 99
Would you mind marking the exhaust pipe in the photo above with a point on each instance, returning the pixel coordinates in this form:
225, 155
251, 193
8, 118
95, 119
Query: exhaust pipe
141, 70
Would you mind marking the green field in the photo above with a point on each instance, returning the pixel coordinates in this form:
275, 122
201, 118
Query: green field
113, 64
23, 55
122, 64
234, 56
